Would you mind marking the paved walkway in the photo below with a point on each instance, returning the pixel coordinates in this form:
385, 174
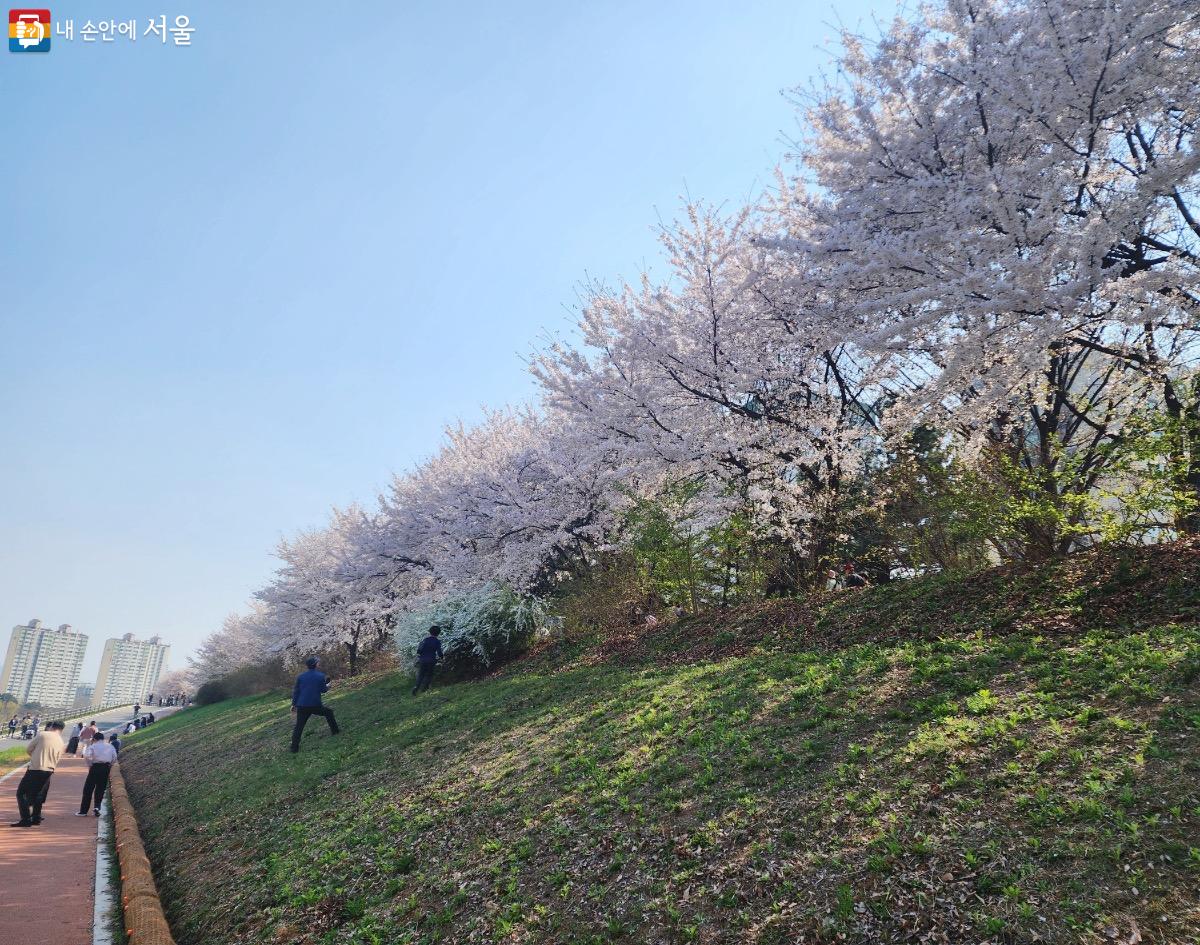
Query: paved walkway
112, 718
54, 864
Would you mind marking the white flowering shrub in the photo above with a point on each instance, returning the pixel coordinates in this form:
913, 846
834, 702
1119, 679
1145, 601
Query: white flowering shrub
479, 628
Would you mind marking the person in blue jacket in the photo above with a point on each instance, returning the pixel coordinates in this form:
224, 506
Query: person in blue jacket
429, 651
306, 701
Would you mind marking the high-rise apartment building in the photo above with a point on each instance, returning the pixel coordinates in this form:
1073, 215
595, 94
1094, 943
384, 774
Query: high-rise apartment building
129, 669
83, 696
42, 664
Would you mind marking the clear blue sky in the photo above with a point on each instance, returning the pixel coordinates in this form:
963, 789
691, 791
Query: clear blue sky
247, 280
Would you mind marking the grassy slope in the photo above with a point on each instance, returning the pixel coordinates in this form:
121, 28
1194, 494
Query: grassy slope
1008, 759
13, 757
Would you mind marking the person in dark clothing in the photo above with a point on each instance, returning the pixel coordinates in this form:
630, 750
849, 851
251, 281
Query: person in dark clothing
306, 701
853, 578
429, 651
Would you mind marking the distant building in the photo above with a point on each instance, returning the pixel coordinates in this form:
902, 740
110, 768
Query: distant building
129, 669
42, 665
84, 696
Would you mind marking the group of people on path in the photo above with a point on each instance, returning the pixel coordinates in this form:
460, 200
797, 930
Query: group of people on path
178, 698
312, 684
29, 726
46, 750
138, 721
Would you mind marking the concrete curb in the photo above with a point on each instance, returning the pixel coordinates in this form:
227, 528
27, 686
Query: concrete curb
145, 923
103, 892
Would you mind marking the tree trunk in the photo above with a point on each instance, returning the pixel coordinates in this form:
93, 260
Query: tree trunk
787, 572
1188, 521
1184, 455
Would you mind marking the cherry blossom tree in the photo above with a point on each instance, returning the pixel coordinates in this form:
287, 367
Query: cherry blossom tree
513, 500
1008, 190
992, 244
721, 377
242, 640
175, 682
328, 593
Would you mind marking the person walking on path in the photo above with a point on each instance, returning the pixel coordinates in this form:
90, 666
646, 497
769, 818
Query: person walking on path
306, 701
12, 727
100, 756
73, 744
429, 651
45, 752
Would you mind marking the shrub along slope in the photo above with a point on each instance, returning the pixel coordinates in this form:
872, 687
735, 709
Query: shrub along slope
1009, 758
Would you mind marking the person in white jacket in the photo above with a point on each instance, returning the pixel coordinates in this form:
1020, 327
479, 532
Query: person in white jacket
100, 756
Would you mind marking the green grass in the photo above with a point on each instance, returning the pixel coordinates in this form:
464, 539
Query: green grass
1011, 759
14, 757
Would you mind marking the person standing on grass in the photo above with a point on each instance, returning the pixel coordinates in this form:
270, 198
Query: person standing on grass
100, 756
306, 701
429, 652
45, 752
